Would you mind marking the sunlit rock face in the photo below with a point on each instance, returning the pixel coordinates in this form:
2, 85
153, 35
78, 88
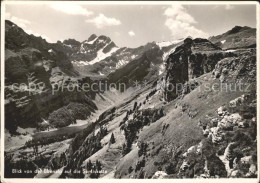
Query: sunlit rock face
190, 60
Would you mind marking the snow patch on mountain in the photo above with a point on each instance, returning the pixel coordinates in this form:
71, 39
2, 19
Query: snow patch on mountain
91, 42
121, 63
80, 63
168, 43
166, 54
161, 68
133, 56
101, 55
81, 50
230, 50
50, 50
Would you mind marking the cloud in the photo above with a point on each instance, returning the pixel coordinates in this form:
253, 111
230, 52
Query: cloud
174, 10
71, 9
229, 7
180, 23
131, 33
102, 21
185, 17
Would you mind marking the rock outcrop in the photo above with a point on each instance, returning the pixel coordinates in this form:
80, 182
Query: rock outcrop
190, 60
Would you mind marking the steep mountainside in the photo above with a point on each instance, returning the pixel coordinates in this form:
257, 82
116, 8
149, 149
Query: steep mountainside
144, 67
188, 61
33, 68
37, 71
205, 132
238, 37
192, 114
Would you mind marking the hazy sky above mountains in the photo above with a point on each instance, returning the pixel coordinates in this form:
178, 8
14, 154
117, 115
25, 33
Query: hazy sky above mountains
129, 25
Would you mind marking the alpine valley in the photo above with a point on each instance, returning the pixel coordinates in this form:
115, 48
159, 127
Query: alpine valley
148, 129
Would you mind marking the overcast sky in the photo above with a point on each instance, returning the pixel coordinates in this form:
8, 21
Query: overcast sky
129, 25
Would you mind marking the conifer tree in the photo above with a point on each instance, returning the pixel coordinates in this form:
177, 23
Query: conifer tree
112, 139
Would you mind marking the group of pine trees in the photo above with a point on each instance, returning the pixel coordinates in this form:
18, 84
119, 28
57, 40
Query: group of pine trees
140, 119
94, 168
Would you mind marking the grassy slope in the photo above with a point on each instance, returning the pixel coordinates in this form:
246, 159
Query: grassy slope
183, 131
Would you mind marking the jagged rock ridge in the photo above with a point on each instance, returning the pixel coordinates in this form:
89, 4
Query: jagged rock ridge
236, 38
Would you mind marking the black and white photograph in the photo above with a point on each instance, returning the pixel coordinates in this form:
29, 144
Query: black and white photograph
129, 90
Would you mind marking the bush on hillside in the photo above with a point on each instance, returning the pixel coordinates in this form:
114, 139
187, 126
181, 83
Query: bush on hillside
68, 115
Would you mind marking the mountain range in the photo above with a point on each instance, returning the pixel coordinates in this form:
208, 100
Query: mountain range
173, 119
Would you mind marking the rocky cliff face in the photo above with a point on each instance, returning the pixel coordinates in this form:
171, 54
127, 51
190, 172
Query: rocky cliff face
190, 60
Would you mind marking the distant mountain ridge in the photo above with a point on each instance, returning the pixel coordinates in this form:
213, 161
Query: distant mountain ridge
99, 55
237, 37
